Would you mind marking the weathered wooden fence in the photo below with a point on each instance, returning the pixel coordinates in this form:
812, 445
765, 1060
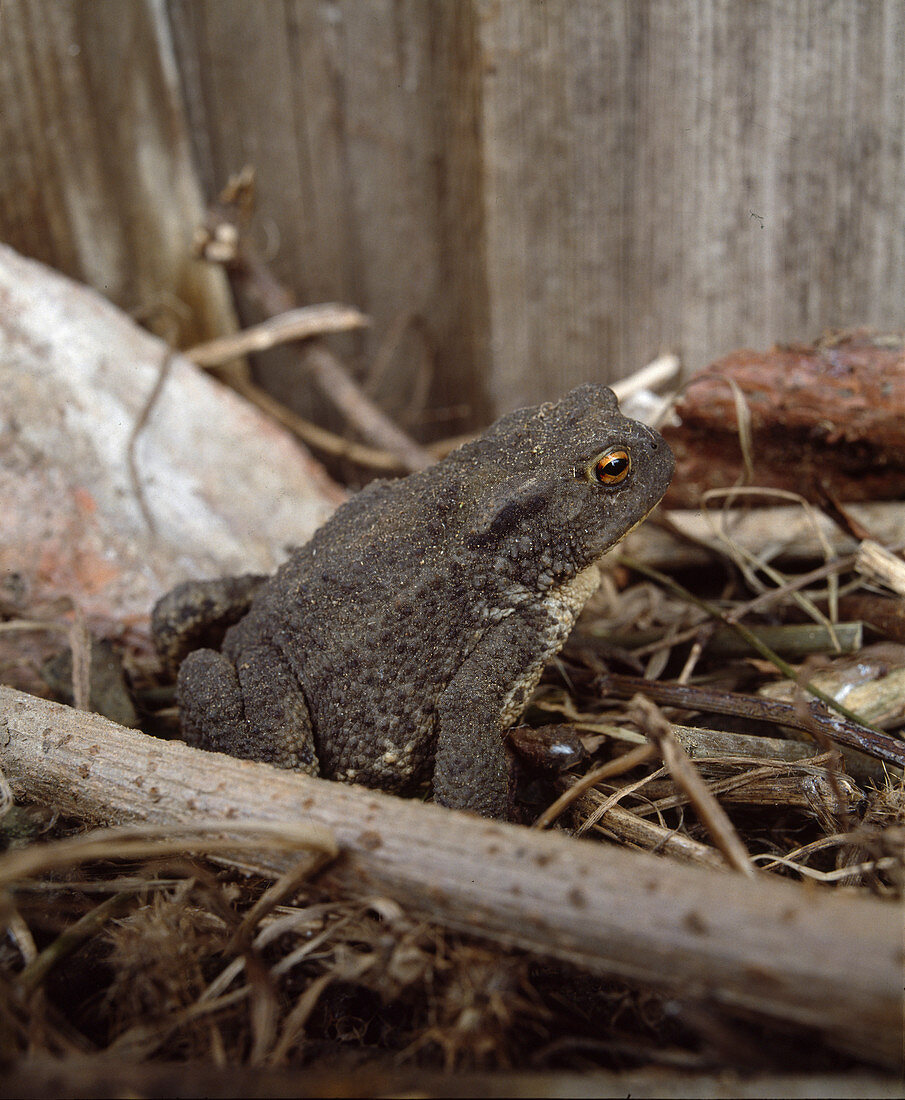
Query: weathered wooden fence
526, 194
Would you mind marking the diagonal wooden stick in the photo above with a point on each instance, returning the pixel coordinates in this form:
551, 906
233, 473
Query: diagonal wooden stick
790, 952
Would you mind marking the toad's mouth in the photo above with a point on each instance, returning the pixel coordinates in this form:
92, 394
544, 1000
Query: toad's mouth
625, 533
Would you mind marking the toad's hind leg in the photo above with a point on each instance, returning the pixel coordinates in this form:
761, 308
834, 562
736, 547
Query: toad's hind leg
253, 708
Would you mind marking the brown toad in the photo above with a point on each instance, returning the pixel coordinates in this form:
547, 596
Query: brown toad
410, 631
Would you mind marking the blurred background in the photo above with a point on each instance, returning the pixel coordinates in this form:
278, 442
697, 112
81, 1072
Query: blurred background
521, 195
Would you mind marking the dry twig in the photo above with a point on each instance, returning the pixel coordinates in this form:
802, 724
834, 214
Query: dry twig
296, 324
688, 780
878, 564
871, 742
249, 273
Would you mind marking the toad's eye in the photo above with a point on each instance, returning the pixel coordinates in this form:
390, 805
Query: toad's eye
611, 467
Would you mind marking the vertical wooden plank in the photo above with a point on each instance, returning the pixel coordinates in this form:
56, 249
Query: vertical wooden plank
554, 110
97, 175
698, 174
699, 269
332, 104
460, 310
792, 132
258, 88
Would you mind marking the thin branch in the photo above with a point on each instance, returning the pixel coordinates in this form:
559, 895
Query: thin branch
141, 420
687, 778
314, 435
248, 272
850, 734
295, 324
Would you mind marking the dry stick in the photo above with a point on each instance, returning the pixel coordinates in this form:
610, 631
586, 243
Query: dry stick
769, 778
878, 564
815, 958
295, 324
687, 778
334, 382
141, 420
855, 733
626, 826
620, 765
330, 374
760, 709
765, 599
313, 434
80, 648
686, 537
659, 372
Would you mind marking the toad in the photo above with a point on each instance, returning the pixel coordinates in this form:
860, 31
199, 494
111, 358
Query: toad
401, 641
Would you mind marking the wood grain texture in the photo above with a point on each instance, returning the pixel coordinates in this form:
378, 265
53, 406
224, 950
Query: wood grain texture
806, 956
96, 172
333, 104
700, 175
522, 196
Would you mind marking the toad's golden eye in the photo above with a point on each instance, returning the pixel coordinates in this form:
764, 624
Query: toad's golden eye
611, 467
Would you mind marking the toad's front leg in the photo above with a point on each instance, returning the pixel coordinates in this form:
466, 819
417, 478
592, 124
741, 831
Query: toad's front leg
473, 769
